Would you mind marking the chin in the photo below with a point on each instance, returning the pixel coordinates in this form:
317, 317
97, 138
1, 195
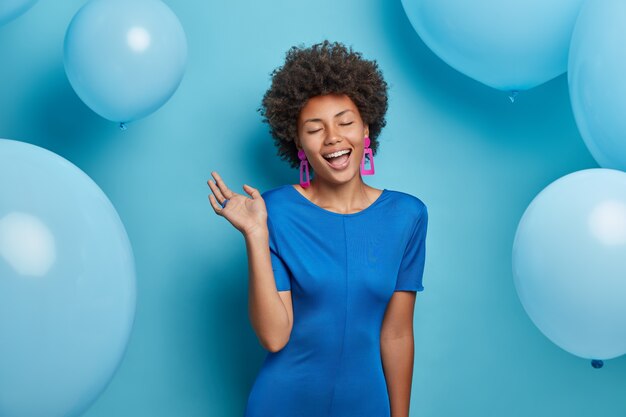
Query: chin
340, 178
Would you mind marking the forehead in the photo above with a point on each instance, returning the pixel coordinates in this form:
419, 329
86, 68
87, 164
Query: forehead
326, 106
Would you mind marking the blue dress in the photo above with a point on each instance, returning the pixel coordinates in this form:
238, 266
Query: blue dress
342, 270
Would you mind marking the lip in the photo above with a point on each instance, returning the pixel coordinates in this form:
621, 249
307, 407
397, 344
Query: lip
342, 167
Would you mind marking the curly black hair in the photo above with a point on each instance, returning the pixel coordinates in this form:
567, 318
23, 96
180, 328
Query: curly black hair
321, 69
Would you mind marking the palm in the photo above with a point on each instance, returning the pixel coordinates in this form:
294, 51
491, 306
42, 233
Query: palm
246, 214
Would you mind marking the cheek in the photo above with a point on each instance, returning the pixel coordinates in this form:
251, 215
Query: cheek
359, 135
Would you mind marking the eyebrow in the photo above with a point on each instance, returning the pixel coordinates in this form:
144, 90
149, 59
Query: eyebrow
319, 120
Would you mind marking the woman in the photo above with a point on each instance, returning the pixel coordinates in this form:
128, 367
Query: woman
334, 264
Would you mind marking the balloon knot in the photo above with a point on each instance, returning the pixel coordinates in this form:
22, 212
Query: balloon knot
512, 95
597, 363
123, 126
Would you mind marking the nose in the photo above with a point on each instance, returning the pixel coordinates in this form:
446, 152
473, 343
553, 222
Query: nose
333, 136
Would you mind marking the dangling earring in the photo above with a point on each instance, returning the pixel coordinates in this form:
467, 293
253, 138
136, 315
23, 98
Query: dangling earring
367, 151
304, 164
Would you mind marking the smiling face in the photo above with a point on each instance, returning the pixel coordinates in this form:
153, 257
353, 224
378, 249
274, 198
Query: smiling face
327, 124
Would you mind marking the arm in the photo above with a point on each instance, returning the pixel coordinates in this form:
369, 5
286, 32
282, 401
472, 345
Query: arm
270, 311
397, 350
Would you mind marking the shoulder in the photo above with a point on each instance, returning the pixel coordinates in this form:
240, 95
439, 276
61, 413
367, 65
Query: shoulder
275, 194
277, 200
408, 203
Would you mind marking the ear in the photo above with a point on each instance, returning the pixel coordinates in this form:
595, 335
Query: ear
367, 131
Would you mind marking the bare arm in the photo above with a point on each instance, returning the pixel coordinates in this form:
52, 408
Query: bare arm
397, 351
270, 311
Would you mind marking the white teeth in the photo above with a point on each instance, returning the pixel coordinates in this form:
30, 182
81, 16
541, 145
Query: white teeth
334, 154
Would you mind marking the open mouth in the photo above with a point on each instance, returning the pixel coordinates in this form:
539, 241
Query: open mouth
339, 162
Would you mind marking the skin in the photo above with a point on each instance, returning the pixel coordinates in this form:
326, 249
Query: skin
326, 123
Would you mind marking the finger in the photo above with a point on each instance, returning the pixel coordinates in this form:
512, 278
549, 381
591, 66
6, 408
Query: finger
222, 185
216, 207
218, 194
216, 191
254, 193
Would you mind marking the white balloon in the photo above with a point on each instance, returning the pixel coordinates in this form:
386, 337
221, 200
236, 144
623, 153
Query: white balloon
569, 262
509, 45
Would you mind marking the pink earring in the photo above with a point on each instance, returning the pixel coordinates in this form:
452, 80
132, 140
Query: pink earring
367, 151
304, 164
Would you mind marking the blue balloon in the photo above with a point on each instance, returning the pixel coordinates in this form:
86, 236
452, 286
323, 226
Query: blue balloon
10, 9
508, 45
597, 87
67, 285
125, 58
569, 262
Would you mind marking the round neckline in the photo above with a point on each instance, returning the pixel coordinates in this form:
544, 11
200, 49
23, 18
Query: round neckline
375, 202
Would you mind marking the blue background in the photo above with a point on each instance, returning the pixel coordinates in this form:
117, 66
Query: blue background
472, 156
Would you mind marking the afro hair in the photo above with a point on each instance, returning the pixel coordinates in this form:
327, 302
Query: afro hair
321, 69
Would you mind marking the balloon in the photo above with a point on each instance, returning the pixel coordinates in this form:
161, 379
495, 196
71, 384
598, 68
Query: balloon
125, 58
10, 9
508, 45
569, 262
67, 285
597, 87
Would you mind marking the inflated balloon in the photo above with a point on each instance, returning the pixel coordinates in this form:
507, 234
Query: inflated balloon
597, 86
569, 263
10, 9
67, 285
125, 58
508, 45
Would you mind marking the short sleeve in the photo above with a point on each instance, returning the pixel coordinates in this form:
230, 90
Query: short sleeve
412, 264
281, 271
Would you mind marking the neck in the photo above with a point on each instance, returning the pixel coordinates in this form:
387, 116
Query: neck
348, 197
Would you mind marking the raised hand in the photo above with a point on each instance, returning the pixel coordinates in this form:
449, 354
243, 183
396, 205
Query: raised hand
247, 214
